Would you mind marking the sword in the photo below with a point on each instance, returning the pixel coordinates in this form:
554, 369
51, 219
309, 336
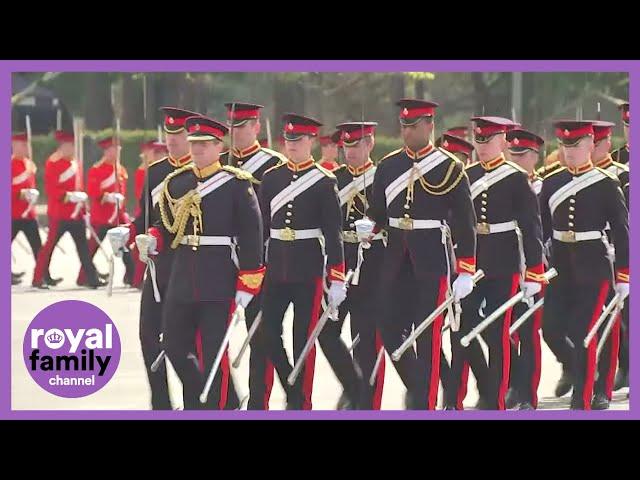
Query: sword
408, 343
376, 367
612, 304
356, 341
291, 379
525, 316
269, 133
250, 334
466, 340
607, 329
216, 363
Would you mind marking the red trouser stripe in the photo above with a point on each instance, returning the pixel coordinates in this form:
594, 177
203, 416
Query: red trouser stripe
268, 382
506, 345
309, 364
377, 392
613, 359
44, 256
587, 392
436, 345
199, 350
462, 391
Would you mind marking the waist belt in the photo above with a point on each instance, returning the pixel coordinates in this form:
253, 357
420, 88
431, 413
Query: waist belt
572, 237
411, 224
206, 240
488, 228
289, 234
349, 236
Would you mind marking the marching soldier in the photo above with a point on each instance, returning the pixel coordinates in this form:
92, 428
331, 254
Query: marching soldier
509, 245
329, 148
355, 181
576, 203
621, 155
24, 196
415, 191
107, 196
526, 352
206, 211
302, 219
460, 132
155, 284
617, 342
65, 211
458, 146
250, 156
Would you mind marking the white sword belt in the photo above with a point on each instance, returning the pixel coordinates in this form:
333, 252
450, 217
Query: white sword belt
572, 237
289, 234
350, 236
206, 240
412, 224
484, 228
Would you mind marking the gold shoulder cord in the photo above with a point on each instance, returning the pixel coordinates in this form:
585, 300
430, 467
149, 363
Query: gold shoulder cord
352, 203
182, 208
433, 189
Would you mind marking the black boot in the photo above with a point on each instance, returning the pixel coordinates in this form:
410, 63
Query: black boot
483, 404
524, 406
98, 283
511, 399
622, 380
565, 384
53, 281
15, 279
40, 285
600, 402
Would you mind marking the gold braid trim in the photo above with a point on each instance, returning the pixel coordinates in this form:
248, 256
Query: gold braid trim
433, 189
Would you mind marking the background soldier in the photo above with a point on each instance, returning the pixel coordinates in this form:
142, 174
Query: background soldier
330, 146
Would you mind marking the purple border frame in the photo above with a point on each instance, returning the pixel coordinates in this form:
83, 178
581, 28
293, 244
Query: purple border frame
7, 67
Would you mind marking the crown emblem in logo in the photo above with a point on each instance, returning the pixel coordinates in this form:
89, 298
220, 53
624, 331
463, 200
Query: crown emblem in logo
446, 144
516, 141
54, 338
197, 127
290, 126
171, 120
478, 130
405, 112
347, 136
566, 132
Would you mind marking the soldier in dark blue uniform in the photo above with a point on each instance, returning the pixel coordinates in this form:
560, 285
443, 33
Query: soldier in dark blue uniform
152, 301
355, 180
526, 351
576, 203
302, 219
247, 153
509, 252
415, 191
621, 155
210, 216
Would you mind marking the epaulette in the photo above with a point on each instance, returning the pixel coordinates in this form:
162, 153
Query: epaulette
557, 170
325, 171
451, 156
517, 167
157, 161
240, 173
390, 154
621, 166
273, 153
608, 174
274, 168
547, 169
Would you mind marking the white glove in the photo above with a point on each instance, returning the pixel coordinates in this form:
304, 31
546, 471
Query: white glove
30, 194
337, 293
623, 289
118, 238
243, 298
77, 197
146, 246
462, 286
531, 288
114, 197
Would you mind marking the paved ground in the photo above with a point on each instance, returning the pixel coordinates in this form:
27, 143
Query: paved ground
128, 388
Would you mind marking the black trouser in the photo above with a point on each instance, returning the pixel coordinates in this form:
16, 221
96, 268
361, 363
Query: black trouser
526, 355
339, 358
306, 298
206, 322
28, 226
406, 303
363, 308
576, 307
608, 360
93, 245
260, 367
77, 230
495, 291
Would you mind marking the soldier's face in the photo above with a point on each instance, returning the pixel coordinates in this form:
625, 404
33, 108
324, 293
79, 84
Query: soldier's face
205, 152
245, 135
330, 151
19, 148
601, 149
358, 154
577, 154
158, 154
416, 136
67, 149
526, 160
626, 133
491, 149
299, 150
177, 144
